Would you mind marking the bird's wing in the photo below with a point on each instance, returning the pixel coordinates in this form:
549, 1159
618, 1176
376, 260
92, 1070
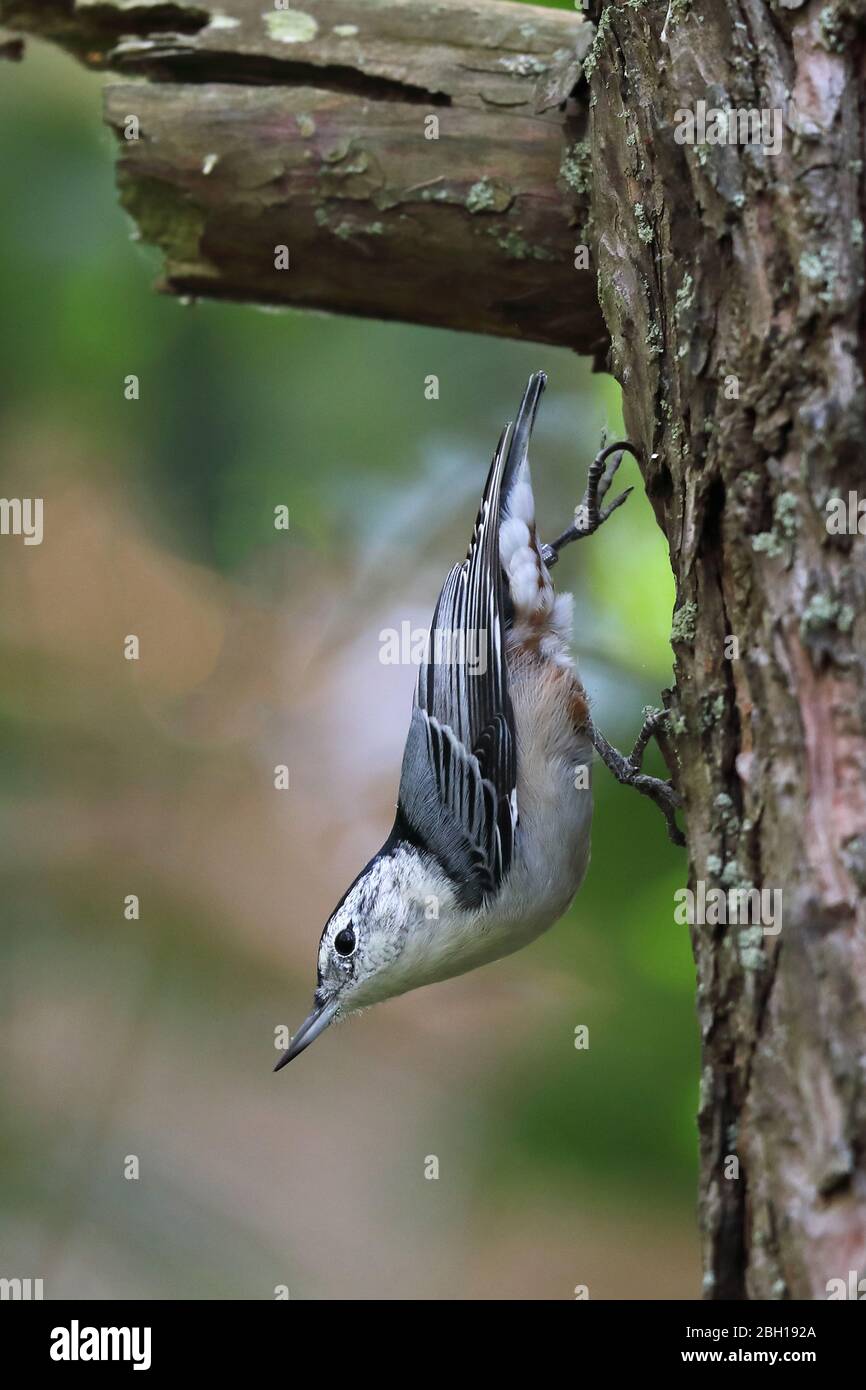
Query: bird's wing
458, 794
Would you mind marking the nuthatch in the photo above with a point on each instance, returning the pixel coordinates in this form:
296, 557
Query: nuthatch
491, 837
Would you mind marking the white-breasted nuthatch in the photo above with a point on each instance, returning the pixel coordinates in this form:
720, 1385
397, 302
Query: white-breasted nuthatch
491, 837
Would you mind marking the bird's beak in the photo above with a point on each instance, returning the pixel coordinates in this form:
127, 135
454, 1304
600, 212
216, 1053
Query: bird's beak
314, 1024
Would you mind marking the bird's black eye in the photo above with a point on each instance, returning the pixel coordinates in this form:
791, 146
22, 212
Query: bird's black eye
344, 941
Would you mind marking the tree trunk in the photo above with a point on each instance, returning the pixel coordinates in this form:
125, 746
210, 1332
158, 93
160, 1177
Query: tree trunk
731, 282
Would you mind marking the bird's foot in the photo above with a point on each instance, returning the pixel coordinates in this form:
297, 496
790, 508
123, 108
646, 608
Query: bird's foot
628, 769
589, 515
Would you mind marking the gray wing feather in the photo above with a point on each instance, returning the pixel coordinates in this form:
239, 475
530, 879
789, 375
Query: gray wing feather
458, 784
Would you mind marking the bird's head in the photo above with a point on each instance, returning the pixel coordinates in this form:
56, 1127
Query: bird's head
375, 942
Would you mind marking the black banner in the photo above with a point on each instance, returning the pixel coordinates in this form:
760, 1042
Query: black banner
157, 1338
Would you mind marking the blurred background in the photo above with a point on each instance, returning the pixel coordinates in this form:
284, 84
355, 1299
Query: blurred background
154, 1037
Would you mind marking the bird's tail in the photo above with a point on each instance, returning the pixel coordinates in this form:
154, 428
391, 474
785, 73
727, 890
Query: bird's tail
539, 621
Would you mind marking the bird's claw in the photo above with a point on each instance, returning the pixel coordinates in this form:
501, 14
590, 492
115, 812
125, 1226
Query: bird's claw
589, 514
628, 770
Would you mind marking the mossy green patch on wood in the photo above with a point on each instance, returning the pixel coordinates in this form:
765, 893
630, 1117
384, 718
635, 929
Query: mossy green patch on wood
166, 218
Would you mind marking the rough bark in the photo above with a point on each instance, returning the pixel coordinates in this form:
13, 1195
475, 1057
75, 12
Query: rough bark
722, 262
308, 128
731, 282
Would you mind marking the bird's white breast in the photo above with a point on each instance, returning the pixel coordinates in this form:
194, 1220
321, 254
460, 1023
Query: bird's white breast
551, 850
554, 800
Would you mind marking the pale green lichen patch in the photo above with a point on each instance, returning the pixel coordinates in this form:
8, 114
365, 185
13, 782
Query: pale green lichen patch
786, 523
822, 611
576, 167
290, 26
732, 877
306, 124
523, 65
516, 247
654, 340
346, 230
345, 31
712, 710
644, 230
831, 29
787, 520
341, 167
590, 62
768, 543
685, 297
683, 627
488, 195
750, 948
727, 812
819, 271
